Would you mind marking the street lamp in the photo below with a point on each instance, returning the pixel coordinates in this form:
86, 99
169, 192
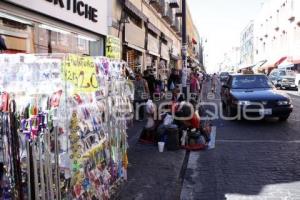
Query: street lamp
183, 47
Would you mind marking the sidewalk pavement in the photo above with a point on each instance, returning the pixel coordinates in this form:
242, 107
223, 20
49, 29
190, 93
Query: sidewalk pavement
151, 175
191, 184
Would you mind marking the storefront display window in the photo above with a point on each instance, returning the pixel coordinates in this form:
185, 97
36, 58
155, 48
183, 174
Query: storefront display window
16, 34
62, 41
151, 63
134, 60
163, 70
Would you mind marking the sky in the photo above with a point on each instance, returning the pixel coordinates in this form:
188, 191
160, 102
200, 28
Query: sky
220, 22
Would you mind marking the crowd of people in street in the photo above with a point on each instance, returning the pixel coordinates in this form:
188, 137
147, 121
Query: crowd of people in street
147, 86
149, 90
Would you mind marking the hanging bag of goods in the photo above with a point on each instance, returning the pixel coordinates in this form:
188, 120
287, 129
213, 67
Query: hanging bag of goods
63, 126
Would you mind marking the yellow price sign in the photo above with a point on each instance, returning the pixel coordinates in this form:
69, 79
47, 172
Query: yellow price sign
81, 72
113, 47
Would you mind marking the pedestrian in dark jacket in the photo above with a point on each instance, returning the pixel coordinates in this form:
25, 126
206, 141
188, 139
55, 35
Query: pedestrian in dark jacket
141, 94
149, 77
174, 79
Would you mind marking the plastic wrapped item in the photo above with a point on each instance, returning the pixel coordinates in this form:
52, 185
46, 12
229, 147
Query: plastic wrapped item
72, 126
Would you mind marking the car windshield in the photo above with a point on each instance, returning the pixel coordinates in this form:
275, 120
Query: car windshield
224, 74
251, 82
282, 73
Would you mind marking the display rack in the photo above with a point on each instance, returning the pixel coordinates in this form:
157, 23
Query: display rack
63, 126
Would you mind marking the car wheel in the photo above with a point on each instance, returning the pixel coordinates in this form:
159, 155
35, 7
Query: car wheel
278, 86
284, 118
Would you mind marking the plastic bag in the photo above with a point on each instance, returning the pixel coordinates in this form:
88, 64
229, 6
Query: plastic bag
172, 86
150, 107
150, 122
168, 120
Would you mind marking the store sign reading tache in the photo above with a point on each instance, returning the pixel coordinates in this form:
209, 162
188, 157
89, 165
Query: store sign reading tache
79, 7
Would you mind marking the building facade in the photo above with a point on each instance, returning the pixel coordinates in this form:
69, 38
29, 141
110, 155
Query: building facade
247, 45
277, 33
35, 26
149, 33
145, 33
194, 42
231, 60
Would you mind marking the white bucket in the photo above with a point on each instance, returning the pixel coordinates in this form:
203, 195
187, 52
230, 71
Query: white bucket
161, 146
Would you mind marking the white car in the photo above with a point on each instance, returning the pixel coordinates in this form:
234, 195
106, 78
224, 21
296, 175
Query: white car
297, 81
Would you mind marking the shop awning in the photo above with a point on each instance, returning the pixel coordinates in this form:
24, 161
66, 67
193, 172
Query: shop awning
271, 64
166, 38
194, 41
256, 67
153, 28
153, 45
134, 10
294, 60
13, 18
245, 66
132, 46
165, 53
285, 64
280, 60
153, 53
175, 57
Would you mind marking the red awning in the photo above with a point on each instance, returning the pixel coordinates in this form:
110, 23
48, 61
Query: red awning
294, 60
194, 41
272, 64
280, 61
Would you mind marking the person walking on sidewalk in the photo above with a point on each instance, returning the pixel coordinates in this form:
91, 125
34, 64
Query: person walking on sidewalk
149, 77
214, 81
194, 86
200, 79
173, 80
141, 95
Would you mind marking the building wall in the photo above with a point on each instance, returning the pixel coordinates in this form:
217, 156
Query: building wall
155, 18
247, 45
277, 30
35, 29
193, 38
231, 60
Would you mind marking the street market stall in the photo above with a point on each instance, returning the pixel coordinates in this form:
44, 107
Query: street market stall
180, 126
62, 126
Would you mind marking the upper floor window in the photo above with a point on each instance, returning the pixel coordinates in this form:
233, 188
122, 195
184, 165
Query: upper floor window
135, 20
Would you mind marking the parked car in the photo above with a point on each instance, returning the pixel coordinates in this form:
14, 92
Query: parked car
255, 92
283, 78
297, 82
224, 76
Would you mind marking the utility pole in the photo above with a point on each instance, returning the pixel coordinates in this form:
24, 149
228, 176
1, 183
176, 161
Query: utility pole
184, 49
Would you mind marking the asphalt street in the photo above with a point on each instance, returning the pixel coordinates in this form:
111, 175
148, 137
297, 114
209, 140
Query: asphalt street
257, 160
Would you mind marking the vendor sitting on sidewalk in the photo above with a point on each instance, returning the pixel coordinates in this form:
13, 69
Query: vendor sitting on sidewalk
177, 96
187, 118
190, 122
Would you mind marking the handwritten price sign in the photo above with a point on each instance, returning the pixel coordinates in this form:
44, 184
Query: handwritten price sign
81, 72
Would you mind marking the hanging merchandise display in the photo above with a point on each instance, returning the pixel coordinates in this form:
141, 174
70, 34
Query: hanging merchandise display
62, 126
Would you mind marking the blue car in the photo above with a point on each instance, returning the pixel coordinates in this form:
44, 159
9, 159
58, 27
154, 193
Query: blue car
254, 95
